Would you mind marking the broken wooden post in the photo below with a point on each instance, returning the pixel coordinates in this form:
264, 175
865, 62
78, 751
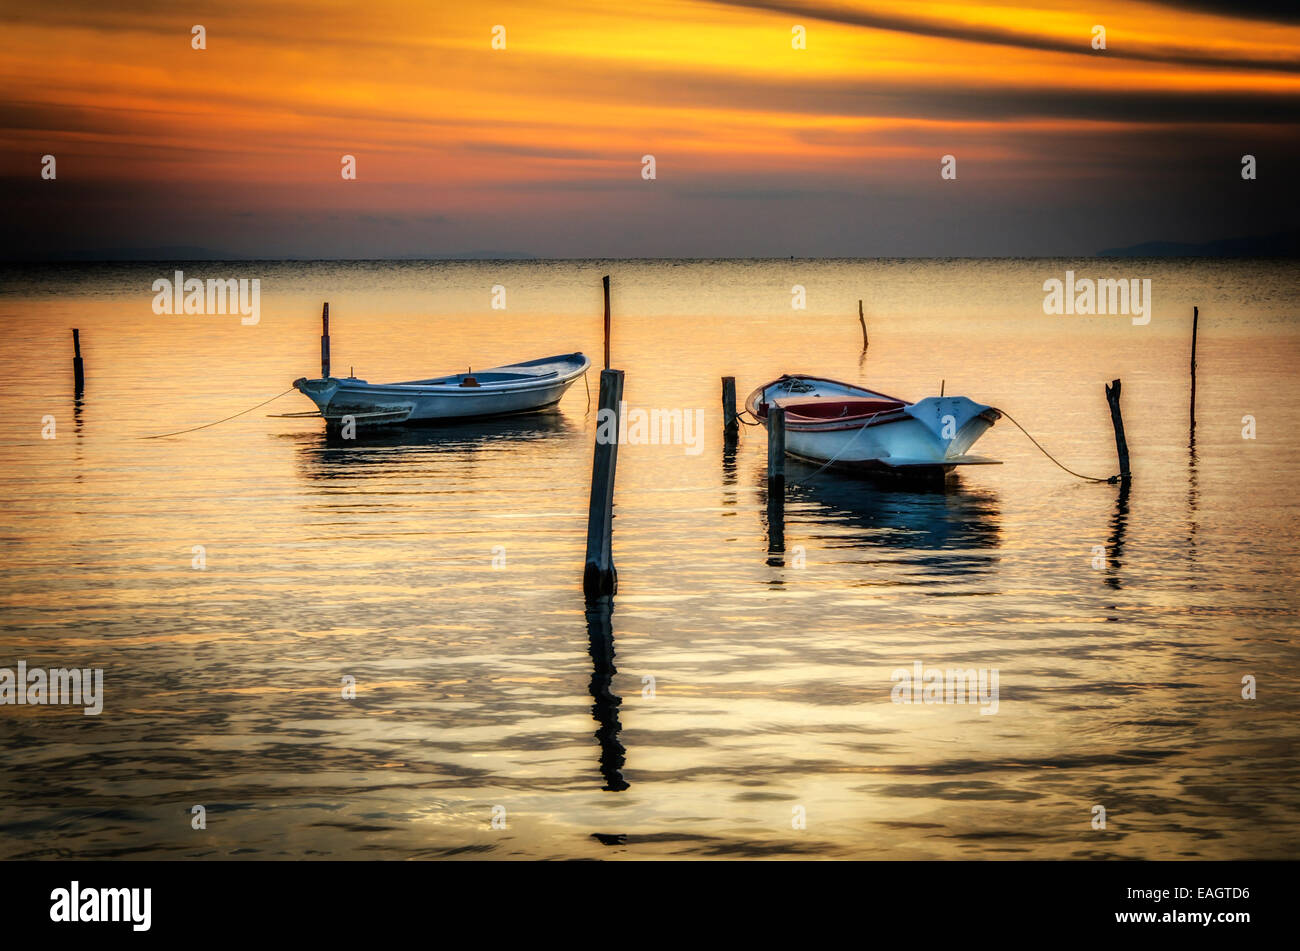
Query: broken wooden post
730, 421
325, 343
606, 283
78, 371
1121, 445
1196, 314
776, 478
599, 577
863, 321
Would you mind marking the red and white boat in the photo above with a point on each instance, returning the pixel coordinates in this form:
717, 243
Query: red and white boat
839, 425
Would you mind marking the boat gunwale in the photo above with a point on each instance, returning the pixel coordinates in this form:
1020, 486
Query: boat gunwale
752, 403
409, 388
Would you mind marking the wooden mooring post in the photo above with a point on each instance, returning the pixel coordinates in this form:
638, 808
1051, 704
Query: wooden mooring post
78, 370
605, 281
599, 577
730, 419
325, 343
863, 321
1196, 316
1121, 444
775, 478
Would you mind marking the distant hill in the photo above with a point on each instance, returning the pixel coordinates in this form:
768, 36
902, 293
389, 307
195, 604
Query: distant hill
168, 253
192, 253
478, 256
1284, 244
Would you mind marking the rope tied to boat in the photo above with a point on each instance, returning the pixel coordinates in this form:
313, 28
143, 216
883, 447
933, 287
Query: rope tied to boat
194, 429
1111, 480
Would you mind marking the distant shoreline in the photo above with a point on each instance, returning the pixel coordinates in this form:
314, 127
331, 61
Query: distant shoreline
1132, 254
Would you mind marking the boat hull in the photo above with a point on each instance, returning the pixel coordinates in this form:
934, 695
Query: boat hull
852, 429
501, 391
894, 444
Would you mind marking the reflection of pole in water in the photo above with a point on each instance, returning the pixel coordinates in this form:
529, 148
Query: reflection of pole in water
729, 446
600, 636
1118, 527
729, 471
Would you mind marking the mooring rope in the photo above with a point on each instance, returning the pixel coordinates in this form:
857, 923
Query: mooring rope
181, 432
1111, 479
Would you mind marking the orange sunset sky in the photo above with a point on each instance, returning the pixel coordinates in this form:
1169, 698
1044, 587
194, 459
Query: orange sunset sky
760, 148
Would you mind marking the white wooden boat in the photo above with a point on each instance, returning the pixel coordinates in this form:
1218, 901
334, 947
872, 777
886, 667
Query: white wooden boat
849, 427
500, 391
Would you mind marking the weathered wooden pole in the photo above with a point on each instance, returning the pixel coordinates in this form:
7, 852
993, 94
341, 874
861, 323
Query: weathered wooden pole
606, 283
730, 421
1121, 445
776, 478
863, 321
599, 577
325, 343
78, 371
1196, 315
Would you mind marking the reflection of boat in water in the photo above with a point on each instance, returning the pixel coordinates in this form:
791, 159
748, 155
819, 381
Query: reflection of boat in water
390, 446
855, 429
915, 517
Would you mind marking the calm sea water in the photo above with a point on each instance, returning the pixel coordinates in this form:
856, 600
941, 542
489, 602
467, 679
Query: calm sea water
752, 690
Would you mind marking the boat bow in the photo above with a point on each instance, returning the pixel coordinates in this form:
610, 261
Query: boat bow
955, 421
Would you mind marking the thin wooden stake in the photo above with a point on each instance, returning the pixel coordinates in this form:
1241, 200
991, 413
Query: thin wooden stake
730, 420
606, 283
1121, 444
325, 343
1196, 316
78, 370
599, 578
863, 321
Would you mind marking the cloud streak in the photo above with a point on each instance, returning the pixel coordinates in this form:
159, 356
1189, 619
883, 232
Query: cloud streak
1019, 39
